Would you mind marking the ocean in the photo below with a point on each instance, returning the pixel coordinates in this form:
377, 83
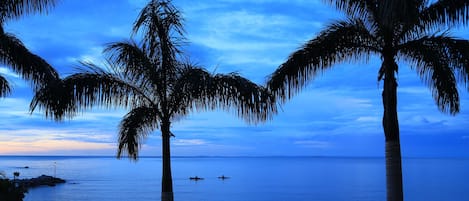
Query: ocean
251, 178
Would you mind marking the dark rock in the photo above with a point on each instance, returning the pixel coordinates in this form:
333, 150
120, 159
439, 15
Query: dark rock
42, 180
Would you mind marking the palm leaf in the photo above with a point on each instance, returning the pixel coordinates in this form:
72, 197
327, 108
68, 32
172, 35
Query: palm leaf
191, 85
97, 86
355, 8
341, 41
4, 87
56, 100
393, 14
13, 9
437, 17
436, 58
252, 102
81, 91
161, 25
134, 128
446, 13
28, 65
196, 88
132, 62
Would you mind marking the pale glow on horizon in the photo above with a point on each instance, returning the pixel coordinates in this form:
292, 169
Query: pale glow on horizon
47, 146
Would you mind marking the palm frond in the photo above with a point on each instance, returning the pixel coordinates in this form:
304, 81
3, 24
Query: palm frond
453, 50
56, 100
395, 13
354, 8
341, 41
13, 9
436, 58
438, 17
4, 87
445, 13
252, 102
133, 63
96, 86
191, 85
28, 65
83, 90
161, 25
198, 89
134, 128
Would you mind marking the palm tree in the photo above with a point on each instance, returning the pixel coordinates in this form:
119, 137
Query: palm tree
153, 81
393, 29
16, 175
14, 54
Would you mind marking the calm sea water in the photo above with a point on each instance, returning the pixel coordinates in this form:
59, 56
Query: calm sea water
251, 179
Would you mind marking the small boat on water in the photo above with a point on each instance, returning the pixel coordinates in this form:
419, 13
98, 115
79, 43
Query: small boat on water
196, 178
223, 177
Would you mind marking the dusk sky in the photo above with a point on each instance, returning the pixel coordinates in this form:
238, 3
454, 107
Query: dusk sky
338, 114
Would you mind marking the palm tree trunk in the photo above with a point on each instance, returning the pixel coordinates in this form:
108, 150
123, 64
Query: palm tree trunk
394, 186
167, 179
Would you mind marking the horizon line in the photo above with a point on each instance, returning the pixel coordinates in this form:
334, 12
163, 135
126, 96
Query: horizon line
238, 156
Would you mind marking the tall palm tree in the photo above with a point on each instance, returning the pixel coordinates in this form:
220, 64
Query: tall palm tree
410, 30
151, 79
14, 54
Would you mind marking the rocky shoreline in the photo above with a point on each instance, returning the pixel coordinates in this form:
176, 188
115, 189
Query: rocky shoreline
43, 180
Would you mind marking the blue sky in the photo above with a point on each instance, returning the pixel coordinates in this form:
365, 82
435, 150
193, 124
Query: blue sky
338, 114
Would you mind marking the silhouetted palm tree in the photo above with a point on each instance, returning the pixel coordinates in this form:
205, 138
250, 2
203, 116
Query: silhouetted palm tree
411, 30
14, 54
16, 175
150, 79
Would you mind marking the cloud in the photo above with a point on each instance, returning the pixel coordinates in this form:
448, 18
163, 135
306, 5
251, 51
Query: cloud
48, 146
368, 119
50, 134
425, 119
100, 114
14, 80
92, 55
189, 142
313, 144
415, 90
237, 36
250, 25
7, 72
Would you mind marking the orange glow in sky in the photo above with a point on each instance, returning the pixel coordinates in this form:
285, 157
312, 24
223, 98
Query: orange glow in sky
47, 146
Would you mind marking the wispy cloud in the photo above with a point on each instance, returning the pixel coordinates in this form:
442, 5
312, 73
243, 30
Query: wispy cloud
313, 144
368, 119
7, 72
189, 142
37, 134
